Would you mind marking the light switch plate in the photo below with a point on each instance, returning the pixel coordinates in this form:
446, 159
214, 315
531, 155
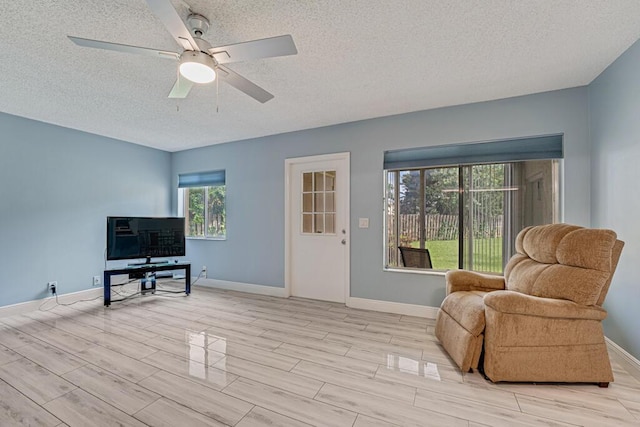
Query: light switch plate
363, 222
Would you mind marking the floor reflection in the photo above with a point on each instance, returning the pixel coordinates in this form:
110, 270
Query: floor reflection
199, 356
413, 366
197, 353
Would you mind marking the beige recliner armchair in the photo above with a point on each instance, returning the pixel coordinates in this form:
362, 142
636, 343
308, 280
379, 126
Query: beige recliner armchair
541, 322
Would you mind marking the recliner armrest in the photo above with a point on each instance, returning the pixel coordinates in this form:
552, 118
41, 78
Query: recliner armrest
518, 303
463, 280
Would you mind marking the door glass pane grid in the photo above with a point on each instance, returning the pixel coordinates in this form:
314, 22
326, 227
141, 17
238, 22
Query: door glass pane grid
318, 202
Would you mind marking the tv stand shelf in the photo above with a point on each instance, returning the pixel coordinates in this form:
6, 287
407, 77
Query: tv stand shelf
142, 269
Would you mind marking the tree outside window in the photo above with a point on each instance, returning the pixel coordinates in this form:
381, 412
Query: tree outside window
205, 211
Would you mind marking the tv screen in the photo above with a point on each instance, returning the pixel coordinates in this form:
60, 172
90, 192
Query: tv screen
140, 237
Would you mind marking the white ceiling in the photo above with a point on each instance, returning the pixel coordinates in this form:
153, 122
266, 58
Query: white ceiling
357, 59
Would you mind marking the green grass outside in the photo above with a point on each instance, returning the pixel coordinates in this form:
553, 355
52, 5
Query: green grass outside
444, 254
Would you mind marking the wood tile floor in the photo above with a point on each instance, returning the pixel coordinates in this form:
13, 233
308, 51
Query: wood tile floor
220, 358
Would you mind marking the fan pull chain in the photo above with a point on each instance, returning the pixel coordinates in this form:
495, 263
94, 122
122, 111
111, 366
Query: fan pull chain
178, 81
217, 104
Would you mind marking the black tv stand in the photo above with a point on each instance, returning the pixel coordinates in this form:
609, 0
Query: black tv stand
142, 269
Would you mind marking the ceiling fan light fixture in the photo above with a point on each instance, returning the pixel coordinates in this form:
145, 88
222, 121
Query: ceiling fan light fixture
197, 67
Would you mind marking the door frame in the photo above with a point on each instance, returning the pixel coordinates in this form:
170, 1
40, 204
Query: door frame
288, 168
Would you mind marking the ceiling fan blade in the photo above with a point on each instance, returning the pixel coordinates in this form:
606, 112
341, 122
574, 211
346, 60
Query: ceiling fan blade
181, 88
243, 85
97, 44
164, 10
255, 49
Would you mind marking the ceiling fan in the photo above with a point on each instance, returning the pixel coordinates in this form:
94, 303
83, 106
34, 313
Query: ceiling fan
199, 62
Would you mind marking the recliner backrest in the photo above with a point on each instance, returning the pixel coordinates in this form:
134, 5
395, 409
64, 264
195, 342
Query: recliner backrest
563, 261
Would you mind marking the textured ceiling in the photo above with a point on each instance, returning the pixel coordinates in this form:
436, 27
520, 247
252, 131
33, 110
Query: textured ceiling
357, 59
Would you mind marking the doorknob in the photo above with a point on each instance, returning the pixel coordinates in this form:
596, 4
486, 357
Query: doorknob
344, 241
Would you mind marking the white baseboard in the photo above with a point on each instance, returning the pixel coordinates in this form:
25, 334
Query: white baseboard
623, 353
360, 303
241, 287
25, 307
393, 307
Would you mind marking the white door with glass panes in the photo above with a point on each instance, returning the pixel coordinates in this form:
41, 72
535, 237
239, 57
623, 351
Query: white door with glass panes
317, 238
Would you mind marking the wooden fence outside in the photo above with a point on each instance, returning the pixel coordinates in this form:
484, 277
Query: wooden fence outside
444, 227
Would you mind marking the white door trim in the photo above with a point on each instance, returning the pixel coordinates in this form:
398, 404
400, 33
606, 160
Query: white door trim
288, 166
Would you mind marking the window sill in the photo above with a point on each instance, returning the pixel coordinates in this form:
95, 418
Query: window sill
206, 238
416, 271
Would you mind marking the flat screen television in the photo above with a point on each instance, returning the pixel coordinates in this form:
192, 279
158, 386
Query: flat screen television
144, 237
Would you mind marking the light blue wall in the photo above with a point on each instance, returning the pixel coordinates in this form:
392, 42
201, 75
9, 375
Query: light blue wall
254, 250
57, 187
614, 101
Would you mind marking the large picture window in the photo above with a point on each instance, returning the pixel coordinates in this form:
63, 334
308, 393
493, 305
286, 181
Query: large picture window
464, 216
202, 200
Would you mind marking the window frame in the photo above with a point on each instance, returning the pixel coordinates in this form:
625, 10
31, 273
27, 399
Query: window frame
182, 211
555, 198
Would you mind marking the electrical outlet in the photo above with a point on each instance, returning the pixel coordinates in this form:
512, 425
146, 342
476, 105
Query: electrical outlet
52, 286
96, 280
204, 271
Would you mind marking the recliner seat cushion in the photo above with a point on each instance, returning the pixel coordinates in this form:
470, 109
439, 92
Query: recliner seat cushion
466, 308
